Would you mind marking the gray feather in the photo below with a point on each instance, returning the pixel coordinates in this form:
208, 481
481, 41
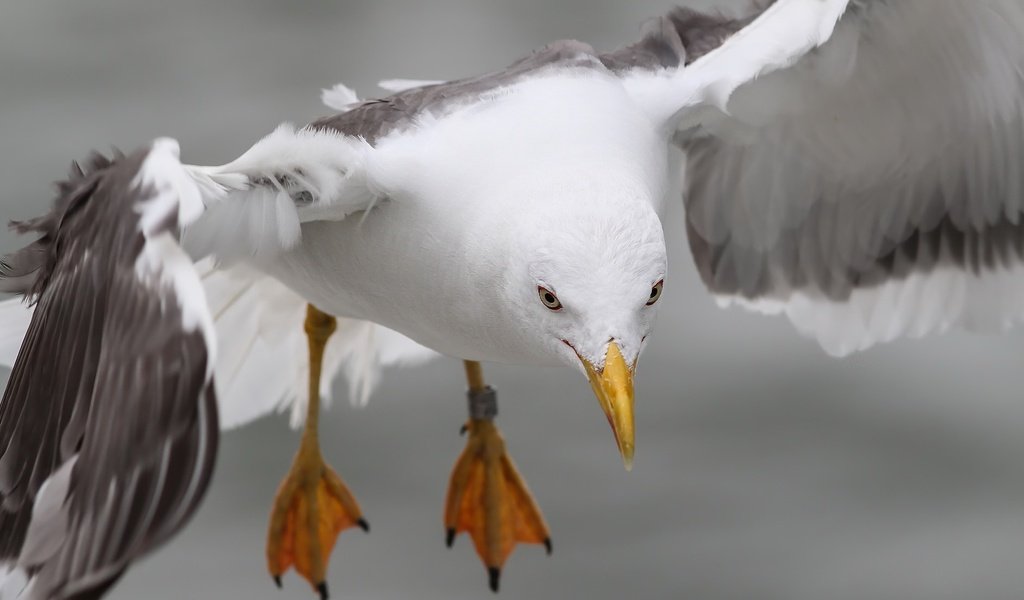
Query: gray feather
108, 425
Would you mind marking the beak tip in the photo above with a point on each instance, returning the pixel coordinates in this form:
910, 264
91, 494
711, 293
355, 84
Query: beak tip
627, 459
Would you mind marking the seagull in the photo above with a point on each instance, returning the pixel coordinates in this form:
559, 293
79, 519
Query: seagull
850, 164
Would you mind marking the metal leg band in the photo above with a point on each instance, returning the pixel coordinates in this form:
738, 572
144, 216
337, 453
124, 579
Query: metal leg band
483, 404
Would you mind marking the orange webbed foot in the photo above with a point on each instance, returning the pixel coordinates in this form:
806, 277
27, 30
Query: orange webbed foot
488, 498
312, 507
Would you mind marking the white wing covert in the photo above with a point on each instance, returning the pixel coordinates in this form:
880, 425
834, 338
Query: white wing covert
256, 203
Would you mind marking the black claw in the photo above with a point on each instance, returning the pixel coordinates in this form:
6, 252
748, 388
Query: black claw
449, 537
547, 545
322, 588
363, 525
277, 581
494, 574
463, 429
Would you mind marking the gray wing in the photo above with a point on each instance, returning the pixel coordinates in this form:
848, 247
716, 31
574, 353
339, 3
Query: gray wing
871, 187
675, 40
108, 425
376, 118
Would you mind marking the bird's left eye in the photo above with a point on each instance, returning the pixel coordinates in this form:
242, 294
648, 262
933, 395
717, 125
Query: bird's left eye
548, 298
655, 292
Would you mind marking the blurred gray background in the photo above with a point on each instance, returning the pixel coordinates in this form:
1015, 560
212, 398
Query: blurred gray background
765, 470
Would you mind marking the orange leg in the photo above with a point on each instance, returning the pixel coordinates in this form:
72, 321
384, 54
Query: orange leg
313, 506
487, 496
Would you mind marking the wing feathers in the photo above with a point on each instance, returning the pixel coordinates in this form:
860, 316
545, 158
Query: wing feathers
876, 188
108, 423
692, 62
255, 204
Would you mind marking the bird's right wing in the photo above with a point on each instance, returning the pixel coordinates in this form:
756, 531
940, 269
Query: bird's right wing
253, 209
108, 425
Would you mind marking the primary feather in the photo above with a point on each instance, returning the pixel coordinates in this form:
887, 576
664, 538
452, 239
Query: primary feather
108, 425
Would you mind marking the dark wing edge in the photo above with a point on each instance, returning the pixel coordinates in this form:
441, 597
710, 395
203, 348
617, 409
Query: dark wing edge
675, 39
27, 270
108, 425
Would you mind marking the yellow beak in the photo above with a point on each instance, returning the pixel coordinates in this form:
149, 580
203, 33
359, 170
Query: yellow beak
613, 387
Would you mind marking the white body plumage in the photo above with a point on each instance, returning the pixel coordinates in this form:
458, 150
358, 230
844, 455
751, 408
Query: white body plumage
476, 191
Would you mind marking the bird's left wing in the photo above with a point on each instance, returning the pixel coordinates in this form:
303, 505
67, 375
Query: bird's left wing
108, 425
690, 63
855, 165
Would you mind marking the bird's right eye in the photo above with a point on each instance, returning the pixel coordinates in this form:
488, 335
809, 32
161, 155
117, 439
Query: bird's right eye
655, 292
549, 298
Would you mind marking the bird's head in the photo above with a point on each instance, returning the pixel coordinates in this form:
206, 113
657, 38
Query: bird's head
590, 290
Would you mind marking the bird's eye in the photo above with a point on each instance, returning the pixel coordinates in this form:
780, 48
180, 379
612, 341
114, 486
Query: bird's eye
655, 292
549, 298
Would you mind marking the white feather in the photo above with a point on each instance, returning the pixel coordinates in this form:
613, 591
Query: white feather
778, 38
48, 527
340, 97
263, 360
256, 203
162, 261
400, 85
13, 581
921, 304
175, 189
253, 224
